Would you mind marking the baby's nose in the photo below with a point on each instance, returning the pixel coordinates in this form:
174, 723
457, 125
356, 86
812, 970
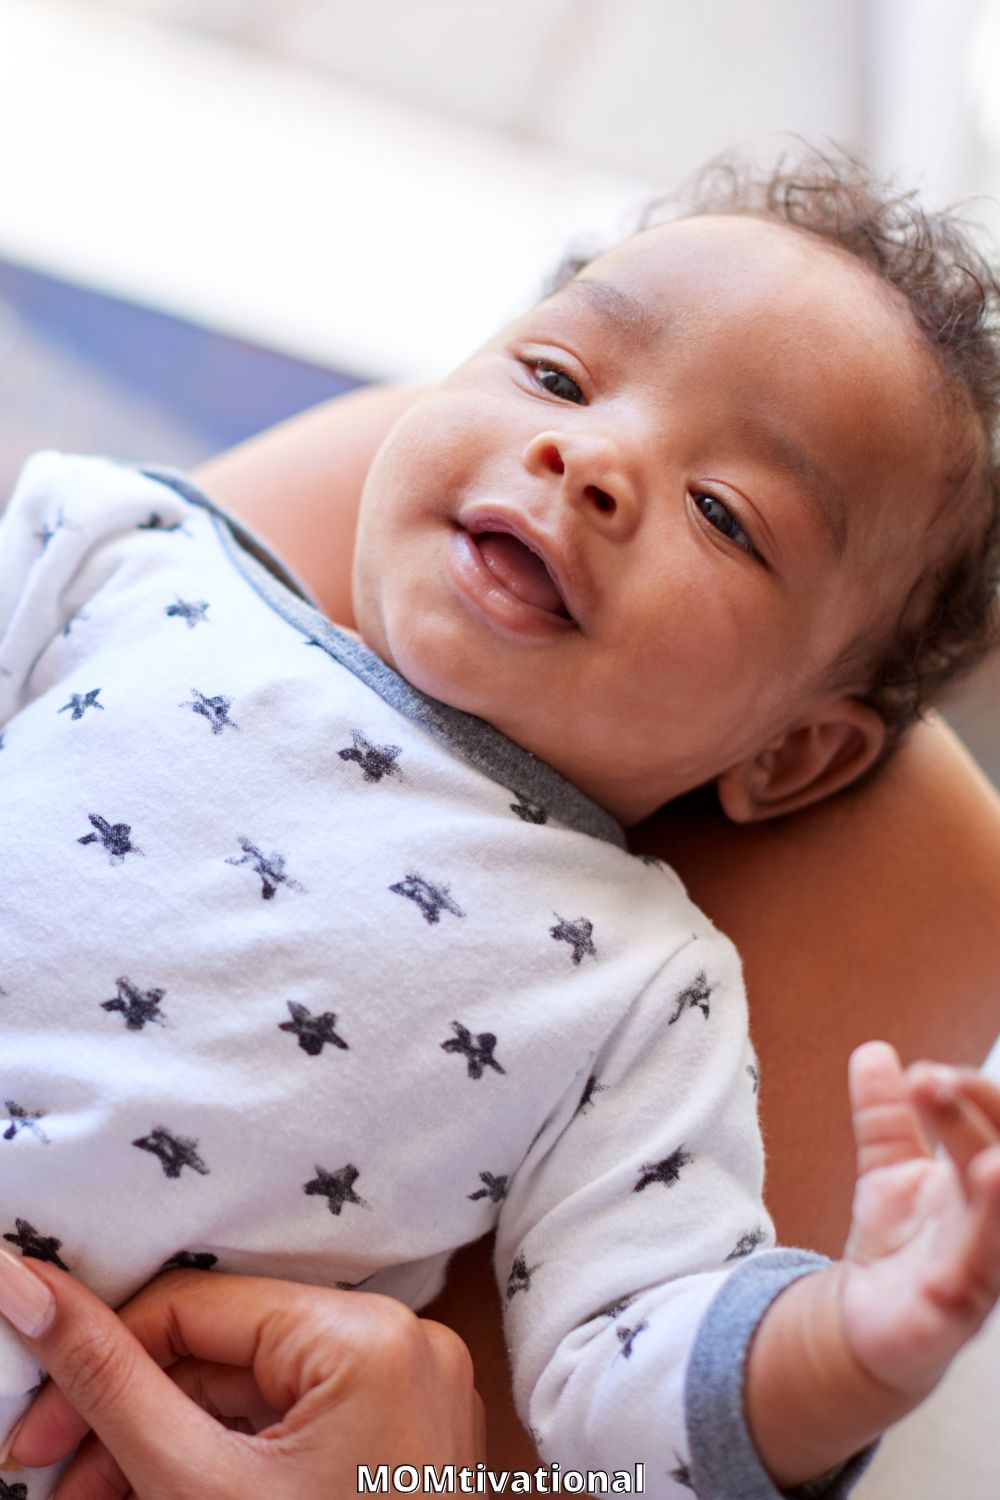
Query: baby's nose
592, 476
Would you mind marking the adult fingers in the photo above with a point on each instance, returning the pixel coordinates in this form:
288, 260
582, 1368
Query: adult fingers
147, 1422
886, 1126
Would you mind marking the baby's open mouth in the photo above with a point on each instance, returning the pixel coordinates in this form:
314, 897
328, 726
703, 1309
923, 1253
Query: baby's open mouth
520, 571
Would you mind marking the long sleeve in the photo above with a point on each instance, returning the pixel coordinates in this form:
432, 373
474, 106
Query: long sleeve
634, 1252
58, 545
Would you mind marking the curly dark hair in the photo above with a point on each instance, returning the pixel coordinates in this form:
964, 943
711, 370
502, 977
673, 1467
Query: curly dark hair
950, 620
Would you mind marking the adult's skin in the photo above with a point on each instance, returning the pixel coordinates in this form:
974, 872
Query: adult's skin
323, 1382
872, 915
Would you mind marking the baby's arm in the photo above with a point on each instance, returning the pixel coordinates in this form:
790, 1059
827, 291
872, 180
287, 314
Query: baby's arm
843, 1354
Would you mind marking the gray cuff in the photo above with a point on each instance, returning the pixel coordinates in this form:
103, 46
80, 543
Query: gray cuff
723, 1461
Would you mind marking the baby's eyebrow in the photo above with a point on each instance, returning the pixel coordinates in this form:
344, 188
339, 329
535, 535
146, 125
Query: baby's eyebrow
627, 313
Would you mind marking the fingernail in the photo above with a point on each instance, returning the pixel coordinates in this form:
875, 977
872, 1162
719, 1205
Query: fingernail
8, 1464
25, 1300
945, 1084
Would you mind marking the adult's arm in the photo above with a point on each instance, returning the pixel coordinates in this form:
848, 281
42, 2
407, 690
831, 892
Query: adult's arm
872, 915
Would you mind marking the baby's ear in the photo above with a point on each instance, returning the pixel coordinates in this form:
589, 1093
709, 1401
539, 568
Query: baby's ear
822, 753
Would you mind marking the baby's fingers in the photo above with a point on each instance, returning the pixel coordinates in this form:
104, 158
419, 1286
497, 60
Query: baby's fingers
951, 1112
971, 1284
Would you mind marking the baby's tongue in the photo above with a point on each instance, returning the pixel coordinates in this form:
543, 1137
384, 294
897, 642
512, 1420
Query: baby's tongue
519, 570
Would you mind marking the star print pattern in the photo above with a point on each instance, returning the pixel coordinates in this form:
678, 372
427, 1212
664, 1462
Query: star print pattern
336, 1187
520, 1276
80, 702
431, 899
494, 1188
375, 761
682, 1474
591, 1088
191, 1260
215, 710
157, 523
747, 1244
528, 811
577, 934
313, 1032
271, 869
36, 1246
530, 1045
116, 838
754, 1076
666, 1171
627, 1337
48, 532
477, 1050
191, 613
174, 1152
137, 1006
16, 1491
694, 996
23, 1119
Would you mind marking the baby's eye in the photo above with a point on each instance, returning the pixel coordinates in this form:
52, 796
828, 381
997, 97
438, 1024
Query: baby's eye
555, 381
722, 518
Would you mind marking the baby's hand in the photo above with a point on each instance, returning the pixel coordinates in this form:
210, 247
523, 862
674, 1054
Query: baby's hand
921, 1267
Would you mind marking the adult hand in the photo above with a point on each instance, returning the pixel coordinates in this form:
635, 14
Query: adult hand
317, 1382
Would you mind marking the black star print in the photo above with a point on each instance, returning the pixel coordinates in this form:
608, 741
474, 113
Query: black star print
478, 1051
375, 761
23, 1119
336, 1187
271, 871
80, 702
48, 532
682, 1474
494, 1188
173, 1151
114, 837
157, 523
36, 1246
754, 1076
528, 811
432, 899
352, 1286
191, 1260
696, 994
16, 1491
617, 1308
191, 614
666, 1171
520, 1276
747, 1244
137, 1006
627, 1337
215, 710
587, 1097
578, 934
312, 1031
652, 861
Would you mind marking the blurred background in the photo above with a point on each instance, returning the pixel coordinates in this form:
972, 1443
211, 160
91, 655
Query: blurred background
216, 212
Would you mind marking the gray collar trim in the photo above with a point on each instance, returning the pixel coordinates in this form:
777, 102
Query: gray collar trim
472, 738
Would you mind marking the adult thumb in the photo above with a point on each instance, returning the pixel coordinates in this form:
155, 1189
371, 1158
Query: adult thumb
163, 1442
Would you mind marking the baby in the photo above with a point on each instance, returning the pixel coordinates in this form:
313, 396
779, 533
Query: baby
322, 951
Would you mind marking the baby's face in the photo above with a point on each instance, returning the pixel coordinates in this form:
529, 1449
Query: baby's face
636, 529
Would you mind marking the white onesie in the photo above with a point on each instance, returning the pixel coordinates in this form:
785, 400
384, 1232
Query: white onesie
305, 974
